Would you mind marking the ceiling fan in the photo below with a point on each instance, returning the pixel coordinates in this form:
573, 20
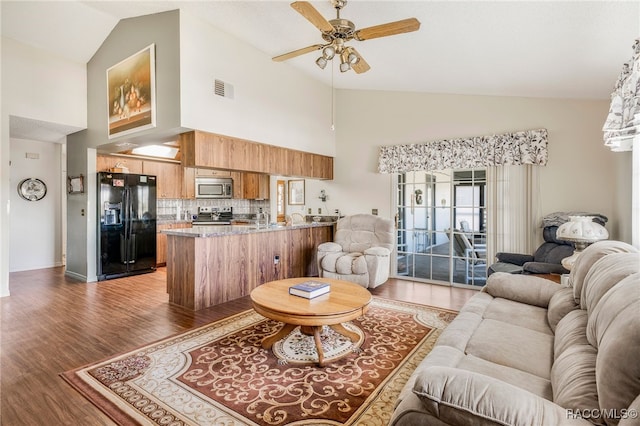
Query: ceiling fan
336, 32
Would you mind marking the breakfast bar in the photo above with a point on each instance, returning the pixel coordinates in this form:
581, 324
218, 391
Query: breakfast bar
209, 265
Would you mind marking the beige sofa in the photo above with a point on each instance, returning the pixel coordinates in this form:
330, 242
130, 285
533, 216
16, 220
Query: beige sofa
528, 351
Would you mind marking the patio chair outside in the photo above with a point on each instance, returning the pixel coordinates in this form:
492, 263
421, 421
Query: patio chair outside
474, 256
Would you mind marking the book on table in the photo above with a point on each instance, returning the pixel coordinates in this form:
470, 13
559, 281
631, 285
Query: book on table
310, 289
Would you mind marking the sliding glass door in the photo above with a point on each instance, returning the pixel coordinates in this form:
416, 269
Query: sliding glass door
442, 226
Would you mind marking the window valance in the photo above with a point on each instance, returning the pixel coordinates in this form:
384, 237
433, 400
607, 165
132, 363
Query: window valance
525, 147
623, 121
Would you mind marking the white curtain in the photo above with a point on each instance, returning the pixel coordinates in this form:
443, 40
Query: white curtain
513, 209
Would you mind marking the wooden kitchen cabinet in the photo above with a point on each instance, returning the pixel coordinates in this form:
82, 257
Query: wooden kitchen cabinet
161, 240
322, 167
168, 178
189, 182
105, 163
168, 175
255, 186
213, 173
208, 150
238, 192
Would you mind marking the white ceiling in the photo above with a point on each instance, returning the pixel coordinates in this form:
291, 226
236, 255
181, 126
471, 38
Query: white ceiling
572, 49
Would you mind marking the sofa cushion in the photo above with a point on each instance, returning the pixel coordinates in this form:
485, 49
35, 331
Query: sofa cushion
632, 420
460, 397
507, 268
521, 288
607, 272
328, 262
344, 263
589, 257
571, 330
439, 356
459, 332
351, 263
561, 303
614, 327
552, 252
361, 231
513, 346
573, 378
478, 304
527, 381
520, 314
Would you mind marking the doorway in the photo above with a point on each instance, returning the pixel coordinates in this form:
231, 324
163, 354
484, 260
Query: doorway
442, 219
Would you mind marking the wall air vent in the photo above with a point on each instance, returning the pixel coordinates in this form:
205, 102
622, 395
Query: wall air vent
223, 89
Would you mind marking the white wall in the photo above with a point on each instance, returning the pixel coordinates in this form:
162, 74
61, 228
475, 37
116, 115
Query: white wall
272, 103
36, 226
580, 175
40, 86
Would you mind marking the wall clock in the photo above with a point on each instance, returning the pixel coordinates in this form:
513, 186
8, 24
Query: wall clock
32, 189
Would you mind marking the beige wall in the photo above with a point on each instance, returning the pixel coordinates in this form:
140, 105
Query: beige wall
272, 102
581, 173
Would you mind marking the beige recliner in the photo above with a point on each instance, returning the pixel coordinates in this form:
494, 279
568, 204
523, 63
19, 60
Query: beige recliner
360, 252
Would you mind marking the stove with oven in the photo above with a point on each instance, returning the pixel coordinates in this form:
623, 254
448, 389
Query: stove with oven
208, 216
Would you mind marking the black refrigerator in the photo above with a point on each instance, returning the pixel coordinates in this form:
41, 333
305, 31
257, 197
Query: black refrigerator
126, 224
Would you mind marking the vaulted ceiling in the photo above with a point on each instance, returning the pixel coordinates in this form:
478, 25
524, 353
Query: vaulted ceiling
572, 49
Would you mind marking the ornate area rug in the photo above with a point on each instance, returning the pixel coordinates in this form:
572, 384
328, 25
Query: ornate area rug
219, 374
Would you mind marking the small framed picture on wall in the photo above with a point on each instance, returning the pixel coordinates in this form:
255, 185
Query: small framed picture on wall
296, 192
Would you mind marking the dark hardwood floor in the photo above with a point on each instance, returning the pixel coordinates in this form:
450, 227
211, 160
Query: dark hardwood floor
51, 324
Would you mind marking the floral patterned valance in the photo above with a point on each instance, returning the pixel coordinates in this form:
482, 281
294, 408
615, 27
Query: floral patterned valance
526, 147
623, 121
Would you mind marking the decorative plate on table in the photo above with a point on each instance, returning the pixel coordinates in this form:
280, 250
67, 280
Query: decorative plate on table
32, 189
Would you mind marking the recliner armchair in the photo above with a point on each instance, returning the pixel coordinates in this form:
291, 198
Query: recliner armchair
546, 259
360, 252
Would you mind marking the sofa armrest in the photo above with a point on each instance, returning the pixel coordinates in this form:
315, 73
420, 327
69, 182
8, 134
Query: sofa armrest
377, 251
515, 258
521, 288
461, 397
544, 268
330, 247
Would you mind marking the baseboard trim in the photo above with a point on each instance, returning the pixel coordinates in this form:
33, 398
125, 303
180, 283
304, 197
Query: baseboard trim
75, 275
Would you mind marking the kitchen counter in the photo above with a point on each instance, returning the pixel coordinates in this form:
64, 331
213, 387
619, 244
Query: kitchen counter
223, 230
172, 221
209, 265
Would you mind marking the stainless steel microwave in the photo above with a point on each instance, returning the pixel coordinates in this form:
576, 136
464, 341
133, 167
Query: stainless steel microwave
207, 187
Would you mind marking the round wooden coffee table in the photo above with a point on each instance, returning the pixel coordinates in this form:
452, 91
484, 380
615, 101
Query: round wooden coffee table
345, 302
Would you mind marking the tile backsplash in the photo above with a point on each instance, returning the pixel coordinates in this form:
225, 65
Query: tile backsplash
170, 209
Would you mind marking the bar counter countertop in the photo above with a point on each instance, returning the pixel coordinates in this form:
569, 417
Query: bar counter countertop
204, 231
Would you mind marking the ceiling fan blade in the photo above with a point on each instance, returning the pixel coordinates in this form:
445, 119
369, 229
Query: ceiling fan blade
298, 52
312, 15
360, 66
388, 29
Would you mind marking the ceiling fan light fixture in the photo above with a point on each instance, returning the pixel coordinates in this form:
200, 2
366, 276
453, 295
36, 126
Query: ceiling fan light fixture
328, 52
321, 62
337, 32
